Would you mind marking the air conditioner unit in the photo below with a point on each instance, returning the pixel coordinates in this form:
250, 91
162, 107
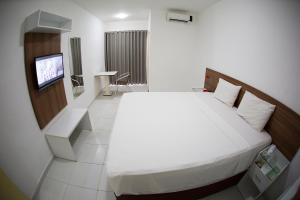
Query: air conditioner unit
178, 17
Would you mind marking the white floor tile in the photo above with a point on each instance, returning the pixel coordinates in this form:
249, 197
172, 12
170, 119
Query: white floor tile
78, 193
91, 153
103, 135
86, 175
103, 184
106, 195
99, 107
103, 123
51, 190
61, 169
89, 138
95, 137
102, 109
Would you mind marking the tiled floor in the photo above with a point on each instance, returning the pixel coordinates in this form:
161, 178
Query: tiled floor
87, 179
231, 193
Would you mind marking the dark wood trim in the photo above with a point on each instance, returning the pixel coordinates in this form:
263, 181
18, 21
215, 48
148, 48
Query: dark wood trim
284, 124
297, 195
50, 101
192, 194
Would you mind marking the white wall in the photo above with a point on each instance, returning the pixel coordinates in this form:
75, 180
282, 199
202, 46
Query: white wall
172, 61
126, 25
24, 153
256, 42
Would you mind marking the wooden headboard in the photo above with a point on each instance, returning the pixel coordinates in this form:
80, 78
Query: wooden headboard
284, 124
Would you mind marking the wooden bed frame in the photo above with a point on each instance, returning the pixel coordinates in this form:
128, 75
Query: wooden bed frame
192, 194
283, 126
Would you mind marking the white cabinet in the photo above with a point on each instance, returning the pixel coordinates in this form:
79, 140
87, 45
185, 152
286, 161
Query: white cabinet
259, 179
59, 134
45, 22
262, 173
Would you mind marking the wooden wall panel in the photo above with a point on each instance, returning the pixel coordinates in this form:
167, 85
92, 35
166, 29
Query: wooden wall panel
284, 124
50, 101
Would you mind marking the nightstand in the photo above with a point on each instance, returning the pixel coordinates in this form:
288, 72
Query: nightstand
265, 169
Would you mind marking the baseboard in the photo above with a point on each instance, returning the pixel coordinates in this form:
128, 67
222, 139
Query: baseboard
42, 176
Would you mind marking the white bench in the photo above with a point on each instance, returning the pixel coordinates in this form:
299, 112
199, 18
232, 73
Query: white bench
59, 132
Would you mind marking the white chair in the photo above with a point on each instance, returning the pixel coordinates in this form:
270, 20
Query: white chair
123, 79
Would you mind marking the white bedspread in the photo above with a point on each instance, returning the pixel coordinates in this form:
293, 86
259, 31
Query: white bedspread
167, 142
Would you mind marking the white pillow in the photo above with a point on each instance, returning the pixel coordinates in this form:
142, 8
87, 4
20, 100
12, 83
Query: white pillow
255, 110
226, 92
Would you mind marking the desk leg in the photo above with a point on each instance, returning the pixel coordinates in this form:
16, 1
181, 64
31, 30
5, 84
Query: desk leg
106, 88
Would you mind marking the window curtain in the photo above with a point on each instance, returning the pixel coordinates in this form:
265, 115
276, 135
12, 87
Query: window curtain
126, 52
76, 59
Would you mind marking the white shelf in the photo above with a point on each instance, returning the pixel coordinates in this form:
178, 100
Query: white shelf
262, 173
45, 22
66, 123
60, 132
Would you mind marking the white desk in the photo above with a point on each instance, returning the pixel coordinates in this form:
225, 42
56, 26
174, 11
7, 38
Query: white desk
105, 77
59, 133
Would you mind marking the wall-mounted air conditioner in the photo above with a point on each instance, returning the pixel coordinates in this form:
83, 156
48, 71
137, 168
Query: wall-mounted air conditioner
178, 17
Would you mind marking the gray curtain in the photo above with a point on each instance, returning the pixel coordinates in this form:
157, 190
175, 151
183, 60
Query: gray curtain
126, 52
76, 58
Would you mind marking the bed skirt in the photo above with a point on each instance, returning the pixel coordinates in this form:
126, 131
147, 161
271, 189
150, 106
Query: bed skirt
192, 194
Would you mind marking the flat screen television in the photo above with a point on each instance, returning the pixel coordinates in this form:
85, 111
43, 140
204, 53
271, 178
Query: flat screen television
49, 69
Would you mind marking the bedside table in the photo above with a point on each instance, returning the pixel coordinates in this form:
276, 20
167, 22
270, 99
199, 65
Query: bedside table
265, 169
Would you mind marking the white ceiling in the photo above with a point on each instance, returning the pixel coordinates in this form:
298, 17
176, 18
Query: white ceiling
138, 9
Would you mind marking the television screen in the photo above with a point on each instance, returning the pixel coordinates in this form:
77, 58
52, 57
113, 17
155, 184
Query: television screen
49, 69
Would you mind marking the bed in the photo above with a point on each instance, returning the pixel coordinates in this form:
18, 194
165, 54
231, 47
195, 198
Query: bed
168, 143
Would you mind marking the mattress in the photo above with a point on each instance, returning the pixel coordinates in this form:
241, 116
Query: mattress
173, 141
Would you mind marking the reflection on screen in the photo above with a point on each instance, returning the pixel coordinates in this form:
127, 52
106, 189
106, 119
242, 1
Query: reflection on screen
49, 69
